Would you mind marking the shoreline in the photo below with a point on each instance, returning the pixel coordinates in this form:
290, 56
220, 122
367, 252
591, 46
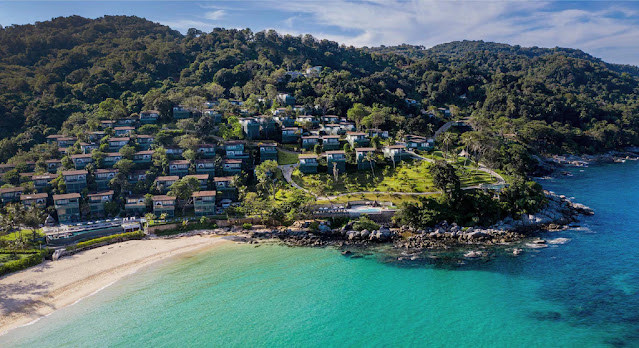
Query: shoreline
568, 160
559, 213
29, 295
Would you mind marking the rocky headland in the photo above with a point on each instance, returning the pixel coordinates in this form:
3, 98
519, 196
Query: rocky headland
558, 213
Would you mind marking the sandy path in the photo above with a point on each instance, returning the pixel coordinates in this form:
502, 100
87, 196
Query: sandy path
40, 290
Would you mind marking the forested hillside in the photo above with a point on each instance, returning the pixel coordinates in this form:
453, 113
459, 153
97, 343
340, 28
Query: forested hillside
58, 74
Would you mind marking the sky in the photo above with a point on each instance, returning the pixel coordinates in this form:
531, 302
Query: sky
608, 30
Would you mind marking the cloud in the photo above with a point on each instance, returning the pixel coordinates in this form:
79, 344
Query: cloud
215, 15
183, 25
611, 33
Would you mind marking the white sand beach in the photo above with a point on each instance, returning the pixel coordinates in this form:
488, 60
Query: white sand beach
35, 292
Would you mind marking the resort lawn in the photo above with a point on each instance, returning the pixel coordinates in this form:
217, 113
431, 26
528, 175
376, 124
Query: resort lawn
379, 197
284, 157
439, 155
408, 177
6, 257
27, 235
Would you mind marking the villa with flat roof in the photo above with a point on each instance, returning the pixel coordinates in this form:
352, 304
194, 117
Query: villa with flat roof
308, 163
163, 183
309, 141
38, 200
396, 153
149, 116
307, 120
136, 176
330, 119
357, 139
123, 131
97, 202
204, 203
103, 178
179, 168
88, 147
5, 167
250, 127
42, 182
284, 120
135, 205
330, 129
104, 124
362, 154
115, 144
67, 207
206, 150
235, 149
164, 205
75, 180
10, 194
53, 165
214, 114
336, 158
80, 161
174, 152
268, 152
225, 189
110, 159
143, 158
415, 142
232, 166
290, 135
203, 179
65, 142
144, 141
126, 121
181, 112
330, 142
205, 166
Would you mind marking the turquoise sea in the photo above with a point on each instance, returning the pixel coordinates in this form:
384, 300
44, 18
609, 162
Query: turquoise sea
583, 293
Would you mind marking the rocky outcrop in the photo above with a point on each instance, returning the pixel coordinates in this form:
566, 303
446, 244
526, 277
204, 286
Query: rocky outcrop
629, 153
559, 212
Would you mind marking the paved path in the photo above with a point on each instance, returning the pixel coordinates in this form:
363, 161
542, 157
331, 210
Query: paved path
443, 129
287, 172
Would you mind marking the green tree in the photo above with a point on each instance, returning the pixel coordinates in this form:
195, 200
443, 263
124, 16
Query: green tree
265, 174
445, 178
183, 189
357, 113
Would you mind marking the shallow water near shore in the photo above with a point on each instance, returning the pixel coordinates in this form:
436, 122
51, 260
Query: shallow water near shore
582, 290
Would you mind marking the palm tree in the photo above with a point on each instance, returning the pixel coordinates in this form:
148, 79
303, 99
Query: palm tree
447, 140
370, 157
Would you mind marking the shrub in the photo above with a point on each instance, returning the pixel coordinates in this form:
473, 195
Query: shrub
247, 226
364, 223
121, 237
16, 265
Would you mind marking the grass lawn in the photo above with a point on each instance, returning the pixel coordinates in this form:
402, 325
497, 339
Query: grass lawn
439, 155
284, 158
380, 197
12, 257
408, 177
27, 235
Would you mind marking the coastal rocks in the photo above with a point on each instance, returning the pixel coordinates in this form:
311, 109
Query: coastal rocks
473, 254
582, 209
558, 213
382, 235
630, 153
